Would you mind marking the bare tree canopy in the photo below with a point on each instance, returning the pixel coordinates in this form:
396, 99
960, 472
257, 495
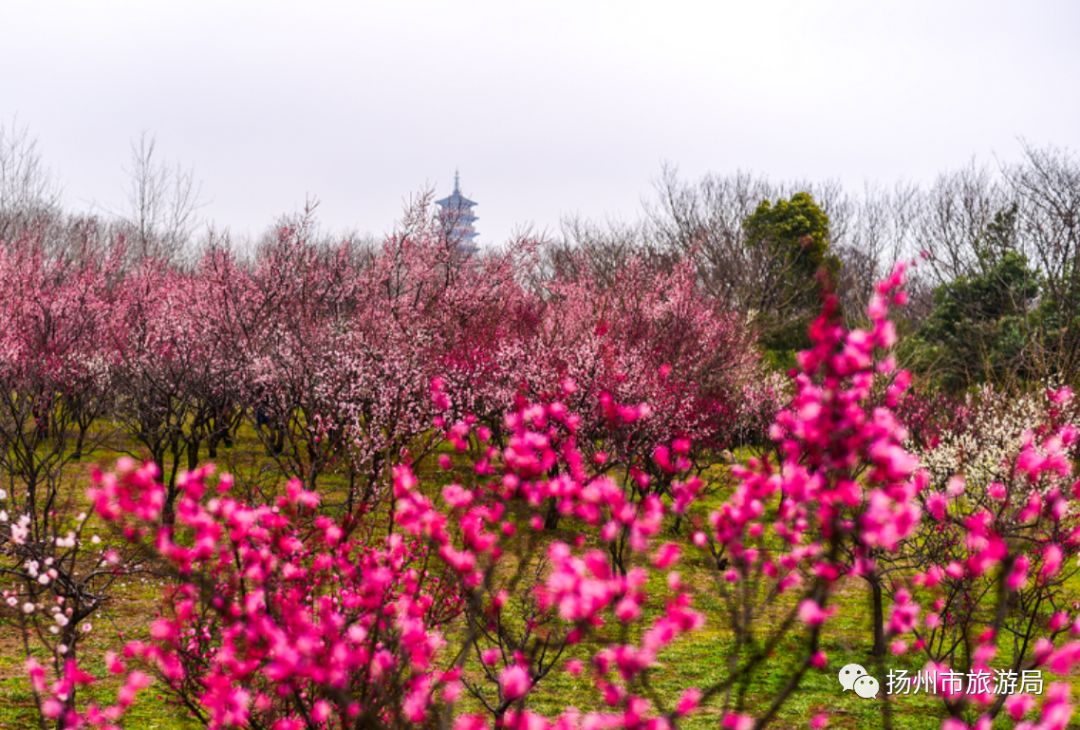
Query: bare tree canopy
28, 193
163, 202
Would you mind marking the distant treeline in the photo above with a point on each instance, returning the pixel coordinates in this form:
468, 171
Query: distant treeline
995, 294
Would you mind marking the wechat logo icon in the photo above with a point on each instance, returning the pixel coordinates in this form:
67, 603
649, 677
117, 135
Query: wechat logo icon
854, 677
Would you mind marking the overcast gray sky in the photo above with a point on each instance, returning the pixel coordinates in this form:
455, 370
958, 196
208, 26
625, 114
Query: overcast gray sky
548, 108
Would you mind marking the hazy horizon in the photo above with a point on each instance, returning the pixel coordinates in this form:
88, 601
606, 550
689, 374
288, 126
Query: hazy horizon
547, 110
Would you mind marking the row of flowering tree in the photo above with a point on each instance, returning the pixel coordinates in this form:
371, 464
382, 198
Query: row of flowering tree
329, 356
327, 353
555, 536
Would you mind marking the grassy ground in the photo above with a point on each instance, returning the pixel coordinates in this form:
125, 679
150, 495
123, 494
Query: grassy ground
697, 661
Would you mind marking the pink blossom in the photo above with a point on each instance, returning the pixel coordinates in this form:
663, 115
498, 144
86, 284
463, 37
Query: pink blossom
514, 682
811, 614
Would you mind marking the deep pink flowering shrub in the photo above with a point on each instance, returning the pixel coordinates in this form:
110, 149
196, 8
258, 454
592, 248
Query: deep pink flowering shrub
928, 415
277, 614
844, 488
985, 584
644, 337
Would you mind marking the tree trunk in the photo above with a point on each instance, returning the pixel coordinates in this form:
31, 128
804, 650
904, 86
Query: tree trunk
878, 600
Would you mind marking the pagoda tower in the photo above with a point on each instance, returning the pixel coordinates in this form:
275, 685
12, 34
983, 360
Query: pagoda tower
455, 213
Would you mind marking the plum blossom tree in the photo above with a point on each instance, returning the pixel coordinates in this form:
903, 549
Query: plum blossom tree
54, 576
986, 576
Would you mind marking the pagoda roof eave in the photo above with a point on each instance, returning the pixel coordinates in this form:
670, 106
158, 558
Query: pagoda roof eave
455, 201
